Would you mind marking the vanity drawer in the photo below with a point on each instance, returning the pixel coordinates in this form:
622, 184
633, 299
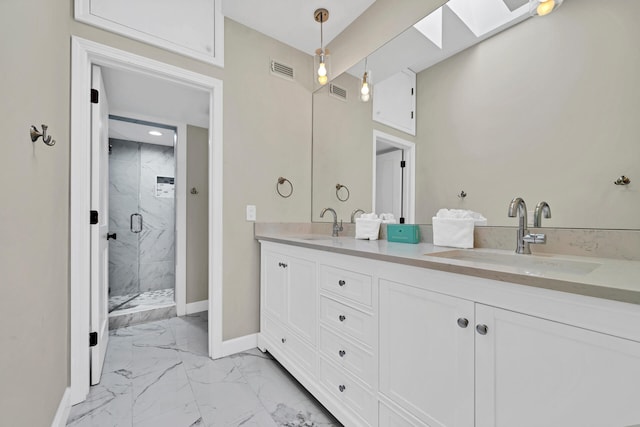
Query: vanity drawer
356, 398
348, 355
289, 345
349, 321
348, 284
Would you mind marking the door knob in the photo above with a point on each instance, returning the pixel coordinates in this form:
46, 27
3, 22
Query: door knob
113, 236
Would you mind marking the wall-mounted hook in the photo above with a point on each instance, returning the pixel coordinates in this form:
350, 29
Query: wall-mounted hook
194, 190
35, 134
622, 180
462, 195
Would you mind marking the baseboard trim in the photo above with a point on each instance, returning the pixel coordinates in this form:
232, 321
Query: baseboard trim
240, 344
197, 307
62, 414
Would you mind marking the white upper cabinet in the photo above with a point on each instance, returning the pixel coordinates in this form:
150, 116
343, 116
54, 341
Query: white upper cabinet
394, 101
194, 28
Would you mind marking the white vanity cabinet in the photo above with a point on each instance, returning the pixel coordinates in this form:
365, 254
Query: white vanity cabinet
465, 364
390, 345
288, 314
427, 355
533, 372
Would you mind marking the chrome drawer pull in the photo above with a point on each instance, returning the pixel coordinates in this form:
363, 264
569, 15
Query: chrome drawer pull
342, 353
463, 323
341, 282
482, 329
341, 388
284, 340
342, 318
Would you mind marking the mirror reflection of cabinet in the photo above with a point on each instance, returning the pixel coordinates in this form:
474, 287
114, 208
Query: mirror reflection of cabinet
394, 102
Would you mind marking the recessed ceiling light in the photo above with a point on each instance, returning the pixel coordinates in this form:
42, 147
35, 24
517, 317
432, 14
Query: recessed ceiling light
155, 133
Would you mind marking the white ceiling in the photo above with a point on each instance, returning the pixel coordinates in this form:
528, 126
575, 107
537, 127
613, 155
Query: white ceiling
131, 131
292, 21
141, 96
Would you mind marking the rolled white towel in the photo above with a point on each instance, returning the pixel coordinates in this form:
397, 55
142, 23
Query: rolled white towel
461, 214
388, 218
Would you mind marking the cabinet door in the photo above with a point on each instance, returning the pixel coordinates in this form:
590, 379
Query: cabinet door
426, 357
301, 301
394, 101
532, 372
274, 282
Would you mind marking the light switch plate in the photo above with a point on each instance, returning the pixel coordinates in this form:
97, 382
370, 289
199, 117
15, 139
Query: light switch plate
251, 212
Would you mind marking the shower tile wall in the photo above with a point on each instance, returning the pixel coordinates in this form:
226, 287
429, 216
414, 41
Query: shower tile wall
140, 262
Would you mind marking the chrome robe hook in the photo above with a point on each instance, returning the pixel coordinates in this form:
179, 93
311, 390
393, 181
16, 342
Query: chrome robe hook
35, 134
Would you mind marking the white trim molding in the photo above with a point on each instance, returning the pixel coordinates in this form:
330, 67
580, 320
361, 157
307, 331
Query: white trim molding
240, 344
197, 307
62, 414
84, 54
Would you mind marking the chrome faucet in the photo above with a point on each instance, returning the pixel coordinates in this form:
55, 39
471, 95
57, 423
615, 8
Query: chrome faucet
336, 228
541, 208
518, 208
354, 213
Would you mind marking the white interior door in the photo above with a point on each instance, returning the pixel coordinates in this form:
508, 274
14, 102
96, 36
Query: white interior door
389, 183
99, 231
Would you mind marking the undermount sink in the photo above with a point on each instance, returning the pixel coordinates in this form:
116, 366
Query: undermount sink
528, 264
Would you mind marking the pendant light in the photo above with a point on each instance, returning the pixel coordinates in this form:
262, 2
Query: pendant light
543, 7
365, 84
321, 59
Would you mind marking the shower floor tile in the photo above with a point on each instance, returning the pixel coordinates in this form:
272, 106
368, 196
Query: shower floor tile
158, 374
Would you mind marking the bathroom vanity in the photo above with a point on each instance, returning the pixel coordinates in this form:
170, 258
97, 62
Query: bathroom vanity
389, 334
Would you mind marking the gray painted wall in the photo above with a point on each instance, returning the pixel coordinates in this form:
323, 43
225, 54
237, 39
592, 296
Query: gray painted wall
197, 214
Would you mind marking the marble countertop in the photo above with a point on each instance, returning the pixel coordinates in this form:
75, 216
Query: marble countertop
612, 279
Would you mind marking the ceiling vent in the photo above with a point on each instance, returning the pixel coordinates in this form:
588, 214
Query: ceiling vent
281, 70
338, 92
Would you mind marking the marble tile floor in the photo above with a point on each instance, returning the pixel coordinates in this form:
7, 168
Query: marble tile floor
159, 297
158, 374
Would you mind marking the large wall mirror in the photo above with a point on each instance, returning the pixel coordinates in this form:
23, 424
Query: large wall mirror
548, 109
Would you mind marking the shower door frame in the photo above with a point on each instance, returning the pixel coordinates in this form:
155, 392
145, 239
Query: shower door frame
84, 54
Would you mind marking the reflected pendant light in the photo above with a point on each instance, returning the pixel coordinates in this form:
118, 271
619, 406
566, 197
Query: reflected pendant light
321, 60
543, 7
365, 84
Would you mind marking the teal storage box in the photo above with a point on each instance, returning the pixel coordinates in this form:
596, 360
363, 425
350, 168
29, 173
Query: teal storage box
403, 233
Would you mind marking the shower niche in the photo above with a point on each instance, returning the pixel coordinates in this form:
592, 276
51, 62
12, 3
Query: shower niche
142, 214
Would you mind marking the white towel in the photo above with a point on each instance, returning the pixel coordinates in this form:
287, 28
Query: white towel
367, 228
462, 213
388, 218
454, 232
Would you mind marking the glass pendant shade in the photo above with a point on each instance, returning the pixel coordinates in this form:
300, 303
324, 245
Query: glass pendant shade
322, 66
365, 87
543, 7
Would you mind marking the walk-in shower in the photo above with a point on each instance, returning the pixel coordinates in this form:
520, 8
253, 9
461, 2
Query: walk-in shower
142, 215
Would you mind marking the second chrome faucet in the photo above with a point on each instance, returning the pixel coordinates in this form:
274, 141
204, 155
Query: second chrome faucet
336, 227
518, 208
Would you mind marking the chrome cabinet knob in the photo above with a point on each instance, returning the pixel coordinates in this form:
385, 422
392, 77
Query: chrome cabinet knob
284, 340
342, 318
463, 323
341, 282
342, 388
482, 329
342, 353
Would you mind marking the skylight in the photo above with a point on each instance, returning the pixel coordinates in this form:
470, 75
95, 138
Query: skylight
480, 16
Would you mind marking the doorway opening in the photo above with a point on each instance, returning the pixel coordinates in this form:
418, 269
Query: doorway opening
393, 177
85, 55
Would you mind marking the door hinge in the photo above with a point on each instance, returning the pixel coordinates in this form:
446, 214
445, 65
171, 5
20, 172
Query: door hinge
412, 114
401, 220
411, 91
94, 96
93, 217
403, 163
93, 339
